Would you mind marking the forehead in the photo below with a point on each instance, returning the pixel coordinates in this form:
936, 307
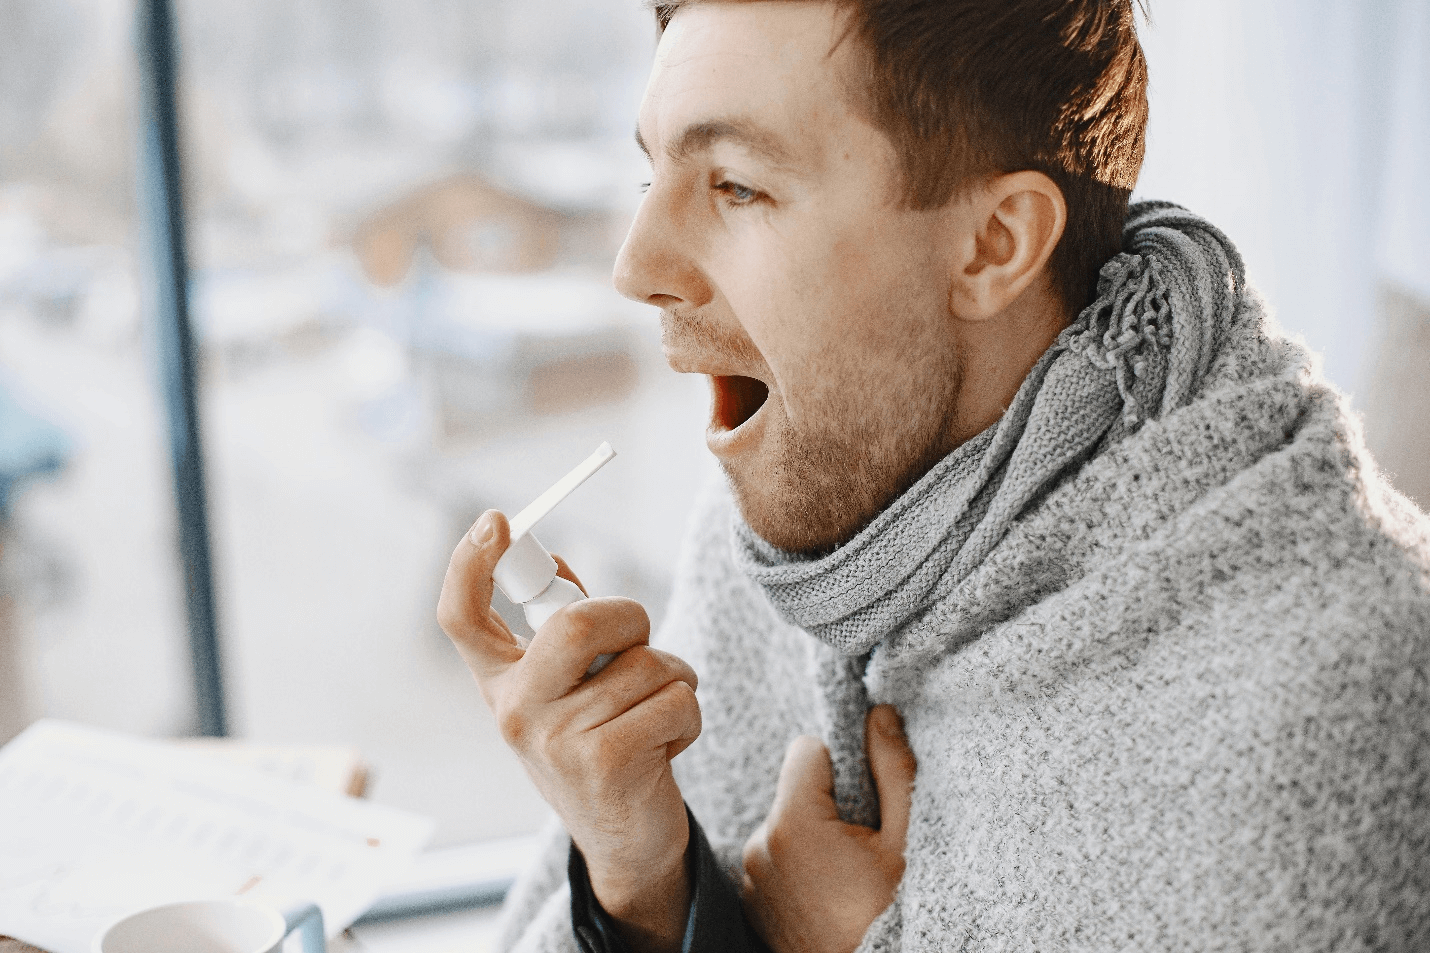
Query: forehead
774, 64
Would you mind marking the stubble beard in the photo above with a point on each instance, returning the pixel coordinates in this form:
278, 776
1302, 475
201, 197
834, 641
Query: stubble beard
827, 484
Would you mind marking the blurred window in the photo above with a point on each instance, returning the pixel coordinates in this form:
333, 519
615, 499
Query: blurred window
402, 223
403, 218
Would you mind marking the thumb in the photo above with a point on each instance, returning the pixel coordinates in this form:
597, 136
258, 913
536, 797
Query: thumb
892, 763
806, 780
464, 610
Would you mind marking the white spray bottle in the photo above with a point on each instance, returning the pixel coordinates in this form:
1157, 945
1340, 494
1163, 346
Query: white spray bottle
526, 573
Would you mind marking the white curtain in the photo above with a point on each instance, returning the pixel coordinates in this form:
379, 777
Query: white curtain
1302, 128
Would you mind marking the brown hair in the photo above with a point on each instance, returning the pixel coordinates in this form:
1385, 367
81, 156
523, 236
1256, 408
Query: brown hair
969, 88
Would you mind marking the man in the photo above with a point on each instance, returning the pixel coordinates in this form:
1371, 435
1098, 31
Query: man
1011, 467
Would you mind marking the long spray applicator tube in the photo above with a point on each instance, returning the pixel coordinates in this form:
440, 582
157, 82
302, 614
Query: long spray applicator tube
526, 573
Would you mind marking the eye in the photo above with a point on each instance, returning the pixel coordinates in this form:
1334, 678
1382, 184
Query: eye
644, 186
737, 194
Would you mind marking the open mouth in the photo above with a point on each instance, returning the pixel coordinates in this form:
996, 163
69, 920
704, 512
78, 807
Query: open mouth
737, 399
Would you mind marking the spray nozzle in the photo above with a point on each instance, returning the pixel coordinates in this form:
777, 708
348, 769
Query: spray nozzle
526, 569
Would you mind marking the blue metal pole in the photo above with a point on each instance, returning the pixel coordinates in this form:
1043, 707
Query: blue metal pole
163, 216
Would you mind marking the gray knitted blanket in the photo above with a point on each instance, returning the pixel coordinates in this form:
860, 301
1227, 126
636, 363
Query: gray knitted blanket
1160, 639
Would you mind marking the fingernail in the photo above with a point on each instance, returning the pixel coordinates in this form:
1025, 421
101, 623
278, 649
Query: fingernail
483, 531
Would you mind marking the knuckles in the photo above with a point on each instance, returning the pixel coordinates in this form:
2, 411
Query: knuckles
752, 858
780, 841
636, 617
513, 723
577, 622
602, 752
654, 669
585, 621
644, 665
688, 705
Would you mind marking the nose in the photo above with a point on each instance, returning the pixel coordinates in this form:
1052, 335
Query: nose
658, 262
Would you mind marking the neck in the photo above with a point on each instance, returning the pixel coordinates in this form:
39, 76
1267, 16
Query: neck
996, 354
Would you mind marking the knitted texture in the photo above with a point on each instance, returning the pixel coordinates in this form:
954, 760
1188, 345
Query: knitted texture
1182, 702
1162, 312
1163, 308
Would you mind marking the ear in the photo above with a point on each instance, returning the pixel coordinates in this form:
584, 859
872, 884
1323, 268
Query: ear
1017, 221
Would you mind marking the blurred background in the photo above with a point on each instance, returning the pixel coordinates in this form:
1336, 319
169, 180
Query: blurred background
402, 220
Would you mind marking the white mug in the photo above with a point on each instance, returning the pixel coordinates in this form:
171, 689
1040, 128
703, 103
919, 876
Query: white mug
212, 926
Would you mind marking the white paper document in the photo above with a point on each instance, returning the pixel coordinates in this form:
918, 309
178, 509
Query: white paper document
95, 825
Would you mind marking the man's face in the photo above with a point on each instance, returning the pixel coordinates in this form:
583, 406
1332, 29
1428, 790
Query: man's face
773, 240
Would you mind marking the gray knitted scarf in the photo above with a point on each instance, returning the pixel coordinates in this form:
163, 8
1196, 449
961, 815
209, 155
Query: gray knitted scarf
1141, 349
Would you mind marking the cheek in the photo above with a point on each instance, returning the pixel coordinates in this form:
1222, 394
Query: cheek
852, 302
779, 298
823, 309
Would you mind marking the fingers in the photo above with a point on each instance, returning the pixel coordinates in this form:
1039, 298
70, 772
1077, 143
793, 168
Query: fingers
557, 659
806, 780
633, 676
669, 718
892, 763
755, 861
464, 609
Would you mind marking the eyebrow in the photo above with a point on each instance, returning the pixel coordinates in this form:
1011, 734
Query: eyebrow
701, 136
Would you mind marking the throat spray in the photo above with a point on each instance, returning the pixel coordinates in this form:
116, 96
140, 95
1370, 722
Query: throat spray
526, 573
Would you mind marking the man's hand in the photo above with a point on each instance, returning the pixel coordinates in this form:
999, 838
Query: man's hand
598, 749
814, 884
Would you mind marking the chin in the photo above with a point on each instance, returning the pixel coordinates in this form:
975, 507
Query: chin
793, 513
810, 498
783, 493
809, 491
